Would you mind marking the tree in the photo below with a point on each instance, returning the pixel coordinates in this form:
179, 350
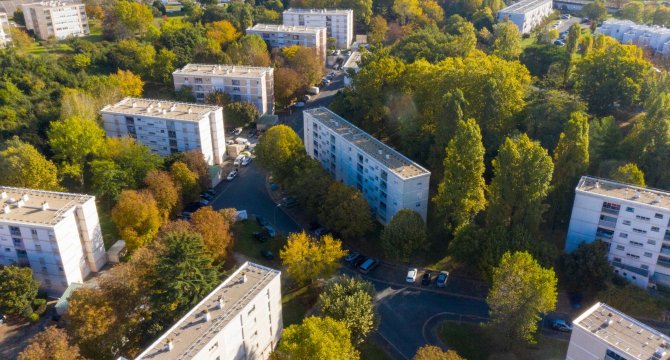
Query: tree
378, 29
129, 83
460, 195
215, 232
430, 352
164, 66
249, 50
305, 61
310, 186
21, 165
596, 11
128, 19
20, 39
107, 179
18, 290
521, 176
434, 45
287, 84
345, 210
407, 10
195, 161
633, 11
538, 58
222, 32
630, 174
506, 40
587, 268
134, 159
280, 150
307, 259
350, 300
521, 290
404, 235
137, 218
317, 338
135, 56
187, 181
164, 190
50, 344
240, 113
73, 141
604, 140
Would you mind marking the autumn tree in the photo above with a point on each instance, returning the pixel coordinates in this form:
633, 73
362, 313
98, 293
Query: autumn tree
521, 290
378, 29
195, 161
431, 352
307, 259
287, 85
127, 19
73, 141
350, 300
222, 32
280, 150
404, 235
21, 165
50, 344
305, 61
186, 179
164, 190
460, 195
249, 50
506, 40
215, 232
129, 83
137, 217
18, 290
345, 210
317, 338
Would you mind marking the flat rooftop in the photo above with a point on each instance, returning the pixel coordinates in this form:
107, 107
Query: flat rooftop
524, 6
395, 161
318, 11
37, 207
624, 333
285, 29
191, 333
632, 193
223, 70
160, 109
53, 4
635, 27
352, 61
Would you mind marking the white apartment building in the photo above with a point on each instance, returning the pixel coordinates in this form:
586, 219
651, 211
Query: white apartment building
57, 234
280, 36
5, 39
627, 32
388, 180
168, 127
526, 14
57, 19
339, 23
242, 83
240, 319
632, 220
603, 332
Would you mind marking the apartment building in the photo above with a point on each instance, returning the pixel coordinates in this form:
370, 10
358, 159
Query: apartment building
168, 127
56, 234
57, 19
5, 39
388, 180
339, 23
603, 332
632, 220
242, 83
279, 36
656, 38
240, 319
526, 14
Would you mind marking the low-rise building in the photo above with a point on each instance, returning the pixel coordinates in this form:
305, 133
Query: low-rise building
603, 332
168, 127
339, 23
633, 222
526, 14
240, 319
250, 84
5, 39
627, 32
56, 234
57, 19
388, 180
280, 36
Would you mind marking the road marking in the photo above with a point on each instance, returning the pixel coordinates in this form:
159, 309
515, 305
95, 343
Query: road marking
392, 345
423, 328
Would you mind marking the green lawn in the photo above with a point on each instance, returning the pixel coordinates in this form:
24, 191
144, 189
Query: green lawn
370, 351
296, 303
246, 244
109, 232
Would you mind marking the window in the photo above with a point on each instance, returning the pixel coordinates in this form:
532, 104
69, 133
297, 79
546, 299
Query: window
633, 256
630, 209
635, 243
626, 222
647, 254
616, 259
620, 247
623, 235
639, 231
658, 216
655, 228
651, 242
644, 267
640, 217
33, 231
236, 82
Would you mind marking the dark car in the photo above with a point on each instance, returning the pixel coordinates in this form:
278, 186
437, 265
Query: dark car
359, 260
261, 236
351, 257
261, 220
561, 325
368, 265
207, 196
289, 202
267, 254
190, 209
426, 278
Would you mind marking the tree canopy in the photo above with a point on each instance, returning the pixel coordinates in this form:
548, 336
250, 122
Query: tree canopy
307, 259
317, 338
350, 300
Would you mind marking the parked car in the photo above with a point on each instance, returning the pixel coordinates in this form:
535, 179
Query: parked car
359, 260
351, 257
289, 202
238, 160
565, 16
204, 202
559, 43
261, 236
368, 265
561, 325
261, 220
208, 195
189, 209
237, 131
411, 275
321, 231
267, 254
271, 231
306, 98
232, 175
246, 161
442, 279
426, 278
314, 90
299, 104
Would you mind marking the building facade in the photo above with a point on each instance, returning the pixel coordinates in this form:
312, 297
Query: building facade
168, 127
240, 319
280, 36
633, 221
388, 180
627, 32
56, 234
526, 14
250, 84
57, 19
603, 332
339, 23
5, 39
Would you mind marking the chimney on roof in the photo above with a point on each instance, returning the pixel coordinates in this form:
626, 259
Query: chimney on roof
173, 107
208, 316
657, 199
20, 203
45, 206
164, 111
159, 104
5, 209
169, 345
244, 277
380, 152
3, 195
220, 303
24, 197
597, 184
637, 194
190, 110
388, 156
134, 104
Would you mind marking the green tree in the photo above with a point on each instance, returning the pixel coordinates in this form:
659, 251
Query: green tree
430, 352
137, 218
135, 160
73, 141
633, 11
18, 290
378, 29
187, 181
240, 113
521, 290
460, 195
130, 18
249, 50
317, 338
107, 179
307, 259
404, 235
345, 210
164, 66
21, 165
587, 268
50, 344
433, 45
605, 139
629, 173
310, 186
135, 56
350, 300
506, 40
280, 151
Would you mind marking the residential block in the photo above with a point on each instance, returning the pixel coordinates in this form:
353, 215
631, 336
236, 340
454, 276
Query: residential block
280, 36
56, 19
339, 23
656, 38
526, 14
5, 39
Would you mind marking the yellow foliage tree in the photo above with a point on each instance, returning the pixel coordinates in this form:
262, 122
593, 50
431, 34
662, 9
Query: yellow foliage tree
137, 218
308, 259
222, 32
186, 179
129, 83
215, 231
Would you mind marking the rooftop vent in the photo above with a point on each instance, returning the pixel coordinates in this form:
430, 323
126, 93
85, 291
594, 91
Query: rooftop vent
169, 345
607, 323
3, 195
657, 199
20, 203
220, 303
660, 352
208, 316
597, 184
173, 107
380, 152
25, 197
5, 209
244, 278
190, 110
388, 156
164, 111
637, 194
134, 104
45, 206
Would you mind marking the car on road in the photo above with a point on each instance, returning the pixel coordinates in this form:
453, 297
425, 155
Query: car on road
559, 42
306, 98
267, 254
237, 131
271, 230
565, 16
442, 279
232, 175
289, 202
261, 236
561, 325
426, 278
359, 260
351, 257
246, 161
368, 265
411, 275
261, 221
299, 104
238, 160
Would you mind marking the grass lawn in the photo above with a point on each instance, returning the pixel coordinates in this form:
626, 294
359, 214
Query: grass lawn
95, 28
370, 351
246, 244
532, 39
109, 232
469, 340
296, 303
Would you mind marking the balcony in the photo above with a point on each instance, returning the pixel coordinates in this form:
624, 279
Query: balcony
604, 233
663, 261
608, 224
